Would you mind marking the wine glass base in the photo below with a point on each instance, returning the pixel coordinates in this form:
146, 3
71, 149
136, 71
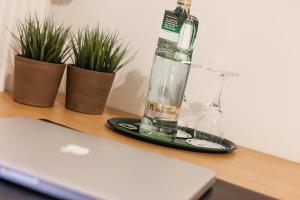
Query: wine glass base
204, 143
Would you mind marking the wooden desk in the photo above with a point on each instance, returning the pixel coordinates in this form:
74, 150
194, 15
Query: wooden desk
256, 171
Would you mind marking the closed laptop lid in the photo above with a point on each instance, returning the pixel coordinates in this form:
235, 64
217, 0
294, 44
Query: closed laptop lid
70, 164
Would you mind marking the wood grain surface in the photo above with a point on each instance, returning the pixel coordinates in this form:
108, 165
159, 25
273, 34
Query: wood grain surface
247, 168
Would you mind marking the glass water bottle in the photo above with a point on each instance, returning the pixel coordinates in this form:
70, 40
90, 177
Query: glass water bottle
169, 73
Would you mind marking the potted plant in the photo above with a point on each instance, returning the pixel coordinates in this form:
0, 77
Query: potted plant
97, 56
39, 63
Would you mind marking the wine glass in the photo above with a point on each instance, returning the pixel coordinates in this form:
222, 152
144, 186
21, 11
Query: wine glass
183, 120
186, 113
211, 121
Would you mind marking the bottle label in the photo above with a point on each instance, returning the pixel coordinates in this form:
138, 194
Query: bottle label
172, 22
164, 112
171, 26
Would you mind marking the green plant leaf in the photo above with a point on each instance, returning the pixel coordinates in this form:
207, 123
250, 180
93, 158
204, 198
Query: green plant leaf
43, 41
99, 50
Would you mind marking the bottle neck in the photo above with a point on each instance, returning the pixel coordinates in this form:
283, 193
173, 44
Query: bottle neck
183, 8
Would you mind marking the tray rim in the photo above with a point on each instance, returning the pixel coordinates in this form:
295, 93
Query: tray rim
144, 138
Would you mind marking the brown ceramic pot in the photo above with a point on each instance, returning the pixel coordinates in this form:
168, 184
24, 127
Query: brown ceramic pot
87, 90
36, 83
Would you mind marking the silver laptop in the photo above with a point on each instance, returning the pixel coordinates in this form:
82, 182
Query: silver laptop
68, 164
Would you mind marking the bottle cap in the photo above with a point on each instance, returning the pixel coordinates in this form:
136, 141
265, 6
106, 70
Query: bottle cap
185, 2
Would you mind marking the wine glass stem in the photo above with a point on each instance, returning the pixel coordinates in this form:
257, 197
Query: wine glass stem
217, 100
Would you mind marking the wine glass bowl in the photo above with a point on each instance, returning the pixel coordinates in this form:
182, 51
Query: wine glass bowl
211, 121
183, 120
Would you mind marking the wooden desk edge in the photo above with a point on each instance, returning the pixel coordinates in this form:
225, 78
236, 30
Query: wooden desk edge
248, 168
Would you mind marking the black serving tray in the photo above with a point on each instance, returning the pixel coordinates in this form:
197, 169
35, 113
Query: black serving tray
130, 127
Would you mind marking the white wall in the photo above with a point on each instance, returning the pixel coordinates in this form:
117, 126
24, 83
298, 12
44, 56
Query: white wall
10, 12
259, 39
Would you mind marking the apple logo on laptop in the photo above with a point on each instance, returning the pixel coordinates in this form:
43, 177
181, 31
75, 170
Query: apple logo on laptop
75, 149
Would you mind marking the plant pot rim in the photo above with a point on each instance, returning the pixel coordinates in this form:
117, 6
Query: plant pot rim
88, 70
37, 61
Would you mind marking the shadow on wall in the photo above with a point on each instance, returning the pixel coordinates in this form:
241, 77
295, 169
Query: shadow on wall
130, 95
61, 2
197, 108
9, 78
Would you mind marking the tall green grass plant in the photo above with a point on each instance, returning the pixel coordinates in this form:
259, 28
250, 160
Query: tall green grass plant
43, 41
100, 50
